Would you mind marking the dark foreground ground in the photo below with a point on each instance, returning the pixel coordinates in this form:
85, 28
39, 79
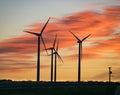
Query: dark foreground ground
58, 88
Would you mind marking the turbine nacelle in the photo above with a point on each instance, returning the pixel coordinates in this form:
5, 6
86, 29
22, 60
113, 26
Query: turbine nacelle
79, 41
55, 52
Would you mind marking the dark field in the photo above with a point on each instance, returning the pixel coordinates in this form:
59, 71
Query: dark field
58, 88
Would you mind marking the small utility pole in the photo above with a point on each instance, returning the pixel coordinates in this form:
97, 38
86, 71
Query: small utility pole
110, 72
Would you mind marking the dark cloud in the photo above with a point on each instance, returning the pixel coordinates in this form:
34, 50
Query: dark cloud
10, 49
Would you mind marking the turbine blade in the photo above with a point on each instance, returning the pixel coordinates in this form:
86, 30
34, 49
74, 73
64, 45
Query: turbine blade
54, 41
57, 45
48, 48
86, 37
44, 26
75, 36
59, 57
44, 44
32, 33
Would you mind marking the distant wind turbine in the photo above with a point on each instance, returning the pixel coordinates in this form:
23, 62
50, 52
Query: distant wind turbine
110, 72
55, 64
79, 53
52, 49
39, 35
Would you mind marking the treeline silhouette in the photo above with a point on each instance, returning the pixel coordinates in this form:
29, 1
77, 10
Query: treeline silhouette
9, 87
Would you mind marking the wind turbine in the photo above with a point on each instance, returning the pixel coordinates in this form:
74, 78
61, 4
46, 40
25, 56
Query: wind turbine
39, 35
79, 53
110, 72
55, 64
52, 49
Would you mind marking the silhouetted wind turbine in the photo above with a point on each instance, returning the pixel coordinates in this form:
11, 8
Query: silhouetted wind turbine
52, 49
110, 72
39, 35
79, 53
55, 64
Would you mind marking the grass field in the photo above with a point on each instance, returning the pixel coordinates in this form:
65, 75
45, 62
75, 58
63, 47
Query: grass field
59, 88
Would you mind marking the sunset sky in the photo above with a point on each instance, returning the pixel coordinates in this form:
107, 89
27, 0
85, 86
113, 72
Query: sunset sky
18, 50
